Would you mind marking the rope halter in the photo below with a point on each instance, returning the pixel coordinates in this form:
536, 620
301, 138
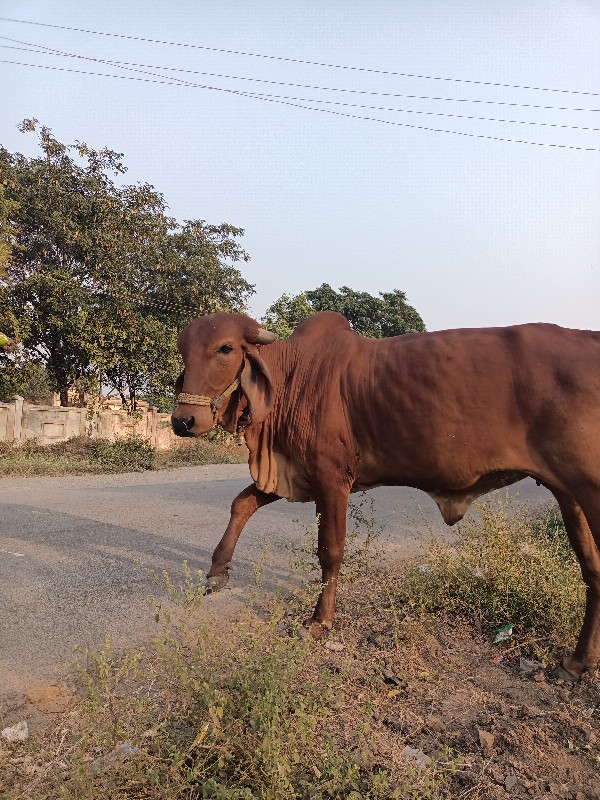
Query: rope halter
215, 403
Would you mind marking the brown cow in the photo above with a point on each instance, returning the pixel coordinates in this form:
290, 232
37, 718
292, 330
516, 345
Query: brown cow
455, 413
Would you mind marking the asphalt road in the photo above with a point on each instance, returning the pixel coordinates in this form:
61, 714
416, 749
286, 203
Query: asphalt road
71, 550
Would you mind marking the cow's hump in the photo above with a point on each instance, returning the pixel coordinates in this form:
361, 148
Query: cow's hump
323, 323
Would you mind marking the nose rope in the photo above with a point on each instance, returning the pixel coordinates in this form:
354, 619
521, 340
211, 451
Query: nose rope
214, 402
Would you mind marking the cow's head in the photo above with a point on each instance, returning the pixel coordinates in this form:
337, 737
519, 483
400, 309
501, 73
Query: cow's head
224, 375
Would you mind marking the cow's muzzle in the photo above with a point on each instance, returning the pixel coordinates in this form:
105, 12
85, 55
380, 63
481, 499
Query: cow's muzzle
182, 426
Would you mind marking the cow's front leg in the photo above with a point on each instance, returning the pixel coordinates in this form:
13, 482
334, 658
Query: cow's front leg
244, 505
331, 506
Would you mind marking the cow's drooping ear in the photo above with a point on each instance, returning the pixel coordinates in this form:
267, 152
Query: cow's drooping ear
255, 383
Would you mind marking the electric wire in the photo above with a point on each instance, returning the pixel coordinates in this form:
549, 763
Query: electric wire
299, 60
250, 96
422, 113
135, 67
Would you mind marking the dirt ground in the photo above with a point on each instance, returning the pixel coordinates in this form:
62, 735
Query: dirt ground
497, 730
439, 705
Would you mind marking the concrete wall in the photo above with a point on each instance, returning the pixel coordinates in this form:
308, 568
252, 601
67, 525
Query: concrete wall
20, 421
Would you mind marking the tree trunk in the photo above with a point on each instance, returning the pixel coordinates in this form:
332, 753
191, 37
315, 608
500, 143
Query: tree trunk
64, 395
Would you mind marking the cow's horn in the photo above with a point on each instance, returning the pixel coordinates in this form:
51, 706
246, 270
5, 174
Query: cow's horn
265, 337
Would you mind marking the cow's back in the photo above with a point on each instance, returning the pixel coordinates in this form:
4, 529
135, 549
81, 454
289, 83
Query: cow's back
441, 408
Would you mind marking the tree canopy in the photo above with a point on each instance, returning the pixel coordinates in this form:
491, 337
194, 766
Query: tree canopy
377, 317
95, 278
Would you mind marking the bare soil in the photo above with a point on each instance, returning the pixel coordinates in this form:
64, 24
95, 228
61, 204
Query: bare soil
495, 731
438, 700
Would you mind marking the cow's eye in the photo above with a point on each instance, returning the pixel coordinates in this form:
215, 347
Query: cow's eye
226, 348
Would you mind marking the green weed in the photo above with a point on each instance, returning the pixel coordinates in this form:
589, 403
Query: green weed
238, 711
505, 568
251, 715
81, 455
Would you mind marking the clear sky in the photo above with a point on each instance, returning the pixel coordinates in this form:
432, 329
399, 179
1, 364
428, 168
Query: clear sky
475, 230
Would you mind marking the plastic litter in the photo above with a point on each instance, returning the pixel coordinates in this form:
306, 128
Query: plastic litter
497, 659
503, 633
418, 756
528, 667
17, 733
128, 749
109, 761
423, 568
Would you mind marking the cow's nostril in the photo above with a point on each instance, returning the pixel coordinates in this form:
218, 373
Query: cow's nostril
182, 425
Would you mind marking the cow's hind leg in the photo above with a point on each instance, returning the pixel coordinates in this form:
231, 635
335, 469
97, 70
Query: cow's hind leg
585, 541
331, 513
244, 505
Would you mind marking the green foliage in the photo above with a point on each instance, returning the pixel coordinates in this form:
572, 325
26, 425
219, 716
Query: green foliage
285, 313
377, 317
506, 568
133, 454
8, 209
76, 456
98, 279
251, 715
200, 452
23, 377
80, 456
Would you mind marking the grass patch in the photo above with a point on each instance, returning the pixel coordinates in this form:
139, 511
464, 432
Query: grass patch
384, 710
200, 452
505, 568
81, 455
242, 715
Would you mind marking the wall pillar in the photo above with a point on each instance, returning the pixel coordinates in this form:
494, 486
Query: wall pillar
153, 426
18, 405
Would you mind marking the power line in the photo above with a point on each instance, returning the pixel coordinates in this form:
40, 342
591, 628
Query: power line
169, 82
422, 113
250, 96
299, 60
135, 67
435, 130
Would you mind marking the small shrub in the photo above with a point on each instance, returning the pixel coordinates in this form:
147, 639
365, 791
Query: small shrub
505, 568
82, 455
200, 452
241, 715
364, 547
72, 457
122, 455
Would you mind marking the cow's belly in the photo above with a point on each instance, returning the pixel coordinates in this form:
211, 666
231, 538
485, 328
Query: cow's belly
454, 501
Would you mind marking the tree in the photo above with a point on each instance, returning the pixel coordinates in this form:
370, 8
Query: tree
99, 278
7, 231
285, 313
23, 377
377, 317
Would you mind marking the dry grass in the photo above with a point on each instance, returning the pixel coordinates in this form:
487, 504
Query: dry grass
402, 701
81, 456
506, 568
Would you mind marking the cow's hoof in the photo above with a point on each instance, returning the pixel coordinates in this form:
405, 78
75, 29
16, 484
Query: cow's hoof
313, 629
573, 669
216, 582
562, 672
